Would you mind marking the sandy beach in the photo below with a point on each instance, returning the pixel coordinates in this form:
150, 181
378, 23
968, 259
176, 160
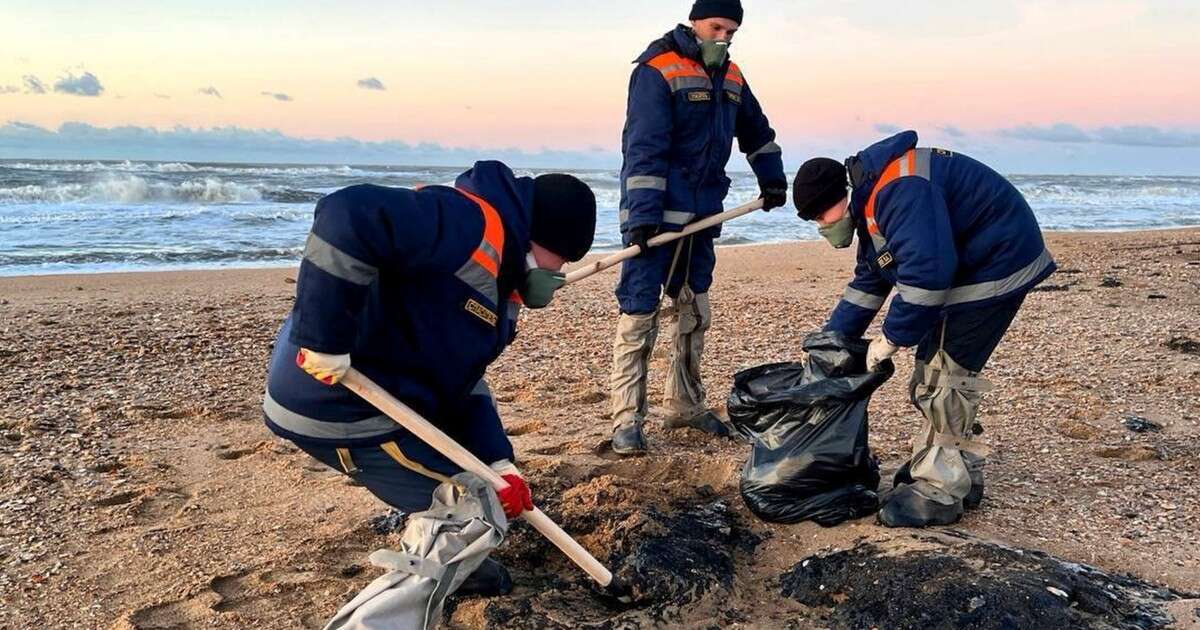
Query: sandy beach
139, 487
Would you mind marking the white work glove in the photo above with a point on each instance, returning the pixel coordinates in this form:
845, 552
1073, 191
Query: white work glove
327, 368
506, 467
516, 498
879, 351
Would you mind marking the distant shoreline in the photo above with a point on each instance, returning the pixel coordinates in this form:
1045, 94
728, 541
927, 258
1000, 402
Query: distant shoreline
252, 267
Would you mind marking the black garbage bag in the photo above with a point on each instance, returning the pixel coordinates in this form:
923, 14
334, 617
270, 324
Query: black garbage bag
807, 424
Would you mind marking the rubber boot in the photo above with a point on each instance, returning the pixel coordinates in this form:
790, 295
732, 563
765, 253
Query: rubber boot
707, 422
907, 506
628, 439
974, 497
491, 579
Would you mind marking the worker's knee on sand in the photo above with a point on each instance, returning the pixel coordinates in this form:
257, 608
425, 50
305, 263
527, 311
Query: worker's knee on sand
400, 488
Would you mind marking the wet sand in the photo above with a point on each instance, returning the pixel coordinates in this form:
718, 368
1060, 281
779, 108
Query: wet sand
139, 487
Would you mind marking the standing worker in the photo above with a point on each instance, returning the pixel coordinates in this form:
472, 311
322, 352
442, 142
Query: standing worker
687, 102
420, 290
961, 247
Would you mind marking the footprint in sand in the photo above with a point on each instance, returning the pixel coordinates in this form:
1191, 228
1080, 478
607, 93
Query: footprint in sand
525, 428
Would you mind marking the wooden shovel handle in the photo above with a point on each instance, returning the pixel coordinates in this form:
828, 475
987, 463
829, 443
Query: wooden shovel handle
594, 268
403, 415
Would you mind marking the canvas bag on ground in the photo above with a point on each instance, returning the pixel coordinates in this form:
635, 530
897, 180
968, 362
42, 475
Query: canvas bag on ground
439, 548
807, 424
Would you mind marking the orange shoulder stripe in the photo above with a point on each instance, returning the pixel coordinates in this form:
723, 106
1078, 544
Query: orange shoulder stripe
493, 234
905, 164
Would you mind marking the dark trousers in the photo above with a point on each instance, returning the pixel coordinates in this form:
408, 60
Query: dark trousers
642, 278
970, 335
387, 472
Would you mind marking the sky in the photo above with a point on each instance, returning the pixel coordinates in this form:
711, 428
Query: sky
1070, 86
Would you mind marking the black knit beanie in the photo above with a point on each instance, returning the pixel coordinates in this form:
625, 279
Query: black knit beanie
703, 9
564, 215
820, 183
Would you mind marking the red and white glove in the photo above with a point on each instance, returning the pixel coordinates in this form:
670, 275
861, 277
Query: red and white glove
327, 368
516, 498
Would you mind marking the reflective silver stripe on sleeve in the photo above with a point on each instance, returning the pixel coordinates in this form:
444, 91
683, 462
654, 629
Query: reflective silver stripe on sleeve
734, 87
903, 163
862, 299
1003, 286
689, 83
678, 218
310, 427
879, 241
514, 311
481, 389
769, 147
921, 297
636, 182
490, 252
922, 163
670, 216
337, 263
479, 279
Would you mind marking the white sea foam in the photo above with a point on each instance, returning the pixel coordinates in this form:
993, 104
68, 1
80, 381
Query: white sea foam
132, 189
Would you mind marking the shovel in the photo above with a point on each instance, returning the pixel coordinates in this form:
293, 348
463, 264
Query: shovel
404, 416
592, 269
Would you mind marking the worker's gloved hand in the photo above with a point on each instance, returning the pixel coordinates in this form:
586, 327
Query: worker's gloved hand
516, 498
327, 368
879, 351
640, 234
773, 194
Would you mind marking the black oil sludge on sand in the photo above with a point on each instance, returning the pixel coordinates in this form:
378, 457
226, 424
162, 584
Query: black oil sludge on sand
954, 580
807, 424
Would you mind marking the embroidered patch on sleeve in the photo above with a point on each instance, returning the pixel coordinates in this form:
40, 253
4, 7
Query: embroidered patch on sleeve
481, 311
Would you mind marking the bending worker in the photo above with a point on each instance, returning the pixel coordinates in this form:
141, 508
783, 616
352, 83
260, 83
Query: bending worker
687, 101
962, 248
420, 290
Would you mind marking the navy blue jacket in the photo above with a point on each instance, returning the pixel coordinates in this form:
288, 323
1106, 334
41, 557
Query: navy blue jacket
679, 131
952, 234
407, 283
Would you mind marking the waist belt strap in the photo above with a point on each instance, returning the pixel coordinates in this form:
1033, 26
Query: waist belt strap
948, 440
962, 382
407, 563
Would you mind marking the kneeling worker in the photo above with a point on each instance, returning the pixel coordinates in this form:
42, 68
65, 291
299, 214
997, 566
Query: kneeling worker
961, 247
420, 291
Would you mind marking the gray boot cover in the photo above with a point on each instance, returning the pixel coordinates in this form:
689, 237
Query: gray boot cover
945, 454
631, 359
691, 317
439, 548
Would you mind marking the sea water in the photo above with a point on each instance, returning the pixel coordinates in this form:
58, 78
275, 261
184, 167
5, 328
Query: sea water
69, 217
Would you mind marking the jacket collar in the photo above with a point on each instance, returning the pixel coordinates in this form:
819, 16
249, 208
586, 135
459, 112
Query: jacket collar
512, 197
870, 164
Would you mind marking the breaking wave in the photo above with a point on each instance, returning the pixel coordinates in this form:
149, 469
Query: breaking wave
133, 189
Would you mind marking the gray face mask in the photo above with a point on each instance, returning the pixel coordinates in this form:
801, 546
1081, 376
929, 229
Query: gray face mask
841, 232
714, 53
